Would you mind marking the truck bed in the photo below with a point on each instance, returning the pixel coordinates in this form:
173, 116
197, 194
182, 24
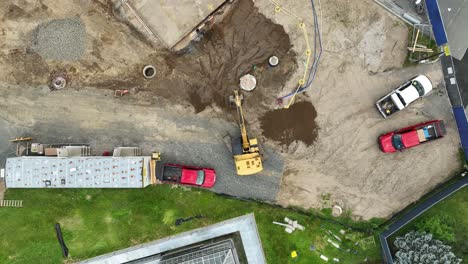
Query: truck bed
386, 106
425, 134
431, 131
171, 174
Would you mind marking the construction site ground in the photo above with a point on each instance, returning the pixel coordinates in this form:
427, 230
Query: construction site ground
321, 151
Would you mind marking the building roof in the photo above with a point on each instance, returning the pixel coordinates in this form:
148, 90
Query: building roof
77, 172
156, 251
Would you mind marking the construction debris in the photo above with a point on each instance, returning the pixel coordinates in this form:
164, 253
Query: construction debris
11, 203
294, 224
337, 210
416, 49
333, 243
120, 93
291, 225
289, 229
22, 145
335, 236
416, 41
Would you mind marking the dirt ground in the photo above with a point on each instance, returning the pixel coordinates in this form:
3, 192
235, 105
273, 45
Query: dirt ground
327, 138
205, 73
364, 50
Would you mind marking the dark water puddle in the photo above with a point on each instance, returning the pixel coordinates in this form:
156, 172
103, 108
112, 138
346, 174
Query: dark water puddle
288, 125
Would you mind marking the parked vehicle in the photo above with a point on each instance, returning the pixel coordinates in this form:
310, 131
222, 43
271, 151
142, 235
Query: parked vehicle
404, 95
412, 136
188, 175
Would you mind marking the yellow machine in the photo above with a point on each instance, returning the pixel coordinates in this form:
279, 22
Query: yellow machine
246, 151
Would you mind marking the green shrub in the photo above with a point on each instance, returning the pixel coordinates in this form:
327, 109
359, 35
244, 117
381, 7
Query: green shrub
441, 226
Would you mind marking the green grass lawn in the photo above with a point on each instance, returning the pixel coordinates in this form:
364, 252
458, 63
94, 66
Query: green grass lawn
447, 221
95, 222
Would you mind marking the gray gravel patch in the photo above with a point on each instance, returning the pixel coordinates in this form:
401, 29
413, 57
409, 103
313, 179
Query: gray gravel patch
214, 154
263, 186
60, 39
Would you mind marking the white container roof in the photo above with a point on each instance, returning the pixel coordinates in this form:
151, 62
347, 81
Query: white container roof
77, 172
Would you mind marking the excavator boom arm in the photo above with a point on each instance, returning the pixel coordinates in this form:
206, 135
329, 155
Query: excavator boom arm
240, 113
249, 161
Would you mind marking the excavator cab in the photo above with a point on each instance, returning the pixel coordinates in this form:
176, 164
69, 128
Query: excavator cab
245, 150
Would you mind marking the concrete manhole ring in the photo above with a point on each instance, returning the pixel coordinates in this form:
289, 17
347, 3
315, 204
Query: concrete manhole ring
337, 210
149, 71
273, 61
248, 82
59, 83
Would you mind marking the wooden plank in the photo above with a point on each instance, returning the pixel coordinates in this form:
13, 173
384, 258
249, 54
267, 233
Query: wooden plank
420, 50
416, 40
153, 171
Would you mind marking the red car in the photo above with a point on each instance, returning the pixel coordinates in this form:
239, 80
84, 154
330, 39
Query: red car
189, 175
412, 136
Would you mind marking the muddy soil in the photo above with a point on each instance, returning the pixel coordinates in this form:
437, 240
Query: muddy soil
204, 74
288, 125
210, 69
240, 44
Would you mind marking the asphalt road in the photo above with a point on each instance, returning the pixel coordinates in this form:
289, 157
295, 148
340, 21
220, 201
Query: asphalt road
461, 71
455, 16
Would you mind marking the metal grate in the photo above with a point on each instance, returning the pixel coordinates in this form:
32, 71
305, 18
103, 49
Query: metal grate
216, 254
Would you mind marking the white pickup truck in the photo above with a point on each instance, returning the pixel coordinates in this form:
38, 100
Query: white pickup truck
401, 97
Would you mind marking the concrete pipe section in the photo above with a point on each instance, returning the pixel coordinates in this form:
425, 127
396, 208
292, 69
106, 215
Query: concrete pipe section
58, 83
248, 82
273, 61
149, 71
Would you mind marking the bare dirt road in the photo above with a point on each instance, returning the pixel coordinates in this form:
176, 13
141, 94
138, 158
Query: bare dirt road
326, 141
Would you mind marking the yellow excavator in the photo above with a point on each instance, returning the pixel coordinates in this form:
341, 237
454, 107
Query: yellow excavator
246, 150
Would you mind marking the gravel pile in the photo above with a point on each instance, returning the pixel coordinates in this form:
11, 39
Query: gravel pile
60, 39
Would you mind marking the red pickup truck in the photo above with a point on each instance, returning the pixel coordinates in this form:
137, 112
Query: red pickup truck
412, 136
189, 175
